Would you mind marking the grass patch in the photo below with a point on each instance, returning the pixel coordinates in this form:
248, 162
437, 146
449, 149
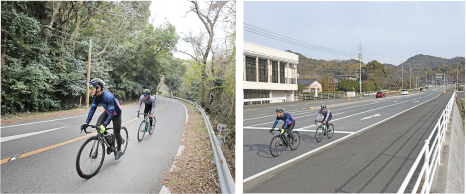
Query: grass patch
201, 130
172, 183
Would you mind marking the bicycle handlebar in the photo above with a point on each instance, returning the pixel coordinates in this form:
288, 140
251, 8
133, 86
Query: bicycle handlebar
93, 126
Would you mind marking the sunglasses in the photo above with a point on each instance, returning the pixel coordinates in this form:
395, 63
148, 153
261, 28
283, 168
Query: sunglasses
91, 87
145, 95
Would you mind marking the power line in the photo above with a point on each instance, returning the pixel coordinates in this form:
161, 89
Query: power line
260, 31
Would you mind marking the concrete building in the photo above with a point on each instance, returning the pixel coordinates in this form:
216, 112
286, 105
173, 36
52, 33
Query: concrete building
269, 73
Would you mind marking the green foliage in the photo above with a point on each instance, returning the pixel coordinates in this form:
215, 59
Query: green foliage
300, 87
46, 68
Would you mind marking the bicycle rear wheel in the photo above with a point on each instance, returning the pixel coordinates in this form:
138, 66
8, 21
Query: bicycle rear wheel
276, 146
90, 158
296, 141
330, 131
142, 130
319, 134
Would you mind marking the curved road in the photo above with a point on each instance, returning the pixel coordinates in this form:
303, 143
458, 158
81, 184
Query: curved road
48, 158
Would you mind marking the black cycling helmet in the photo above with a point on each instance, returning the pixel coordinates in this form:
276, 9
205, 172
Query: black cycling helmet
323, 106
280, 110
146, 91
98, 83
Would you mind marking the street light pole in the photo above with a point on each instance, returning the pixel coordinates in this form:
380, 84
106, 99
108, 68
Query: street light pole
401, 76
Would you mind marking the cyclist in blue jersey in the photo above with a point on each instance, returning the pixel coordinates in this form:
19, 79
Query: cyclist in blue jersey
112, 112
327, 114
149, 105
288, 125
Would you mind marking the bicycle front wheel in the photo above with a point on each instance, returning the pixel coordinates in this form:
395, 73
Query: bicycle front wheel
319, 134
124, 138
141, 131
276, 146
296, 141
330, 131
153, 126
90, 157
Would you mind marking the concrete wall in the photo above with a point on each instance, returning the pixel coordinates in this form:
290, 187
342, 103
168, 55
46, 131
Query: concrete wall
277, 93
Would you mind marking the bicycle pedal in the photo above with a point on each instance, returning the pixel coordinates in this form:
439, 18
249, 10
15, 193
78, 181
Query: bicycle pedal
109, 150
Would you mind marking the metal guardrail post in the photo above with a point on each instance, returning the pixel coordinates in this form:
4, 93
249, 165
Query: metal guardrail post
426, 164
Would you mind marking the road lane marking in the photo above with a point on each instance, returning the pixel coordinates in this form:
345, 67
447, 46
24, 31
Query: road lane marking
295, 118
348, 132
376, 115
13, 137
43, 121
66, 142
326, 145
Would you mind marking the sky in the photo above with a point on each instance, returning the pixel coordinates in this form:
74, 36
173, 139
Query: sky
174, 11
389, 32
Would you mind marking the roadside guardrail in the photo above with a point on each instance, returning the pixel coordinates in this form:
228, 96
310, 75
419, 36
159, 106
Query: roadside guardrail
227, 185
431, 156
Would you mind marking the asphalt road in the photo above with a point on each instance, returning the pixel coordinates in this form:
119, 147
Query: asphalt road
139, 170
363, 163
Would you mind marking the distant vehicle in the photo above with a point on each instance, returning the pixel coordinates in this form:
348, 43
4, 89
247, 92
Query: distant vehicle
424, 90
404, 92
380, 95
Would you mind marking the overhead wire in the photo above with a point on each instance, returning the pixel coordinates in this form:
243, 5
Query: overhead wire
296, 42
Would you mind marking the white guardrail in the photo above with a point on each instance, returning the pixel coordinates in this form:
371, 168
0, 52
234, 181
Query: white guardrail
227, 185
430, 164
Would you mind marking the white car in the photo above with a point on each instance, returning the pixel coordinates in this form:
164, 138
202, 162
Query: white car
404, 92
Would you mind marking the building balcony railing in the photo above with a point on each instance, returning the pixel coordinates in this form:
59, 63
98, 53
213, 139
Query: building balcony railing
263, 78
283, 80
274, 79
251, 77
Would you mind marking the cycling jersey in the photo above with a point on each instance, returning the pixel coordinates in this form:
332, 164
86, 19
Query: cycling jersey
110, 104
286, 117
150, 100
326, 114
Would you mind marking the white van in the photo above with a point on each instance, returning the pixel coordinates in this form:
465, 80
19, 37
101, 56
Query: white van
404, 92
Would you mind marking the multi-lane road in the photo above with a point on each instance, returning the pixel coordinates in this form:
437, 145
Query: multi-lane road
48, 151
373, 148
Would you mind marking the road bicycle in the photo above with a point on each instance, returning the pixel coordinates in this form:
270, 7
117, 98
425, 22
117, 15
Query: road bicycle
144, 127
321, 131
281, 140
91, 154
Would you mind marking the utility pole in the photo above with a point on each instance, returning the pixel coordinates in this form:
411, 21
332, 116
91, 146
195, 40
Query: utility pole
457, 85
401, 76
88, 75
410, 77
360, 55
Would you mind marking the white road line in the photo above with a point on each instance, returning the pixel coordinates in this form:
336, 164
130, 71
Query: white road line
324, 146
376, 115
43, 121
9, 138
347, 132
294, 117
187, 116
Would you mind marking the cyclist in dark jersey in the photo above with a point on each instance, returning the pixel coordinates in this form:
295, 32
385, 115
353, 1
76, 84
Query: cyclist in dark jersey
288, 119
327, 114
112, 111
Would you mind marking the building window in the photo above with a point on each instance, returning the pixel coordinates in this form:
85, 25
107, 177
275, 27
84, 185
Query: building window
249, 94
293, 77
250, 69
274, 77
263, 70
282, 73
